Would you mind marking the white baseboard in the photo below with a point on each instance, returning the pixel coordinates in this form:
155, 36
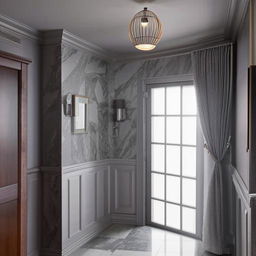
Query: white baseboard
91, 232
130, 219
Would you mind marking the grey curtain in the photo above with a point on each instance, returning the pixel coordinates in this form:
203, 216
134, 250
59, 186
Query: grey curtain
213, 81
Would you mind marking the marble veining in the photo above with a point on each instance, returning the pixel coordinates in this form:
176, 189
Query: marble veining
123, 81
124, 240
51, 102
85, 74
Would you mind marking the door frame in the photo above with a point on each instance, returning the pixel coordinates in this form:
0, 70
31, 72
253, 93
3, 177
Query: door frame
20, 64
141, 181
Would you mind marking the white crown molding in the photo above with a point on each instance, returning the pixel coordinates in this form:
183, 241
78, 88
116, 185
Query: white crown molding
179, 50
62, 36
75, 41
16, 28
12, 30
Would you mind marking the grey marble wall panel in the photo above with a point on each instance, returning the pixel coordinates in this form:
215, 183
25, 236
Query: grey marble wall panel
124, 77
85, 74
51, 149
51, 106
51, 213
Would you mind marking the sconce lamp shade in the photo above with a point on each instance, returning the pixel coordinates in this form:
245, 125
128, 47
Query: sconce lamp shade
145, 30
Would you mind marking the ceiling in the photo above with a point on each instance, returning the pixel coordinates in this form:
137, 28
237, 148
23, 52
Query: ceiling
105, 23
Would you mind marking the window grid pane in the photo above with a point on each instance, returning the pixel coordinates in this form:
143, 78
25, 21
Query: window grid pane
174, 157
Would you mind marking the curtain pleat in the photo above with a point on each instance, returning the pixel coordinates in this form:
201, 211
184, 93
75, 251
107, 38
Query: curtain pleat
213, 82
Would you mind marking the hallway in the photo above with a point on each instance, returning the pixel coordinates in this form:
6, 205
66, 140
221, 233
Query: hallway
124, 240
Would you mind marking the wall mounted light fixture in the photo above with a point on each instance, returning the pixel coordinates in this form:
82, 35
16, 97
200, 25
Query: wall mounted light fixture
119, 114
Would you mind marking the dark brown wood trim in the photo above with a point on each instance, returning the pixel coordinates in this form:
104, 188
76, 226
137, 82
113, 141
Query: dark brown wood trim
10, 63
20, 64
8, 193
252, 138
22, 177
14, 57
249, 89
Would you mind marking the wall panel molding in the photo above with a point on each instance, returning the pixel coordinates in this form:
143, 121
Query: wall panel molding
245, 218
123, 183
95, 195
84, 166
34, 211
85, 203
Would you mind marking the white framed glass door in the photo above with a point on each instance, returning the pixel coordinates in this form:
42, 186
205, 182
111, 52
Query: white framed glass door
172, 158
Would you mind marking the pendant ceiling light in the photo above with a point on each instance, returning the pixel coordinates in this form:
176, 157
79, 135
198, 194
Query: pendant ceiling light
145, 30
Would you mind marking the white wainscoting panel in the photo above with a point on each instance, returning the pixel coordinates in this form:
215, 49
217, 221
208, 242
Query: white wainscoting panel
245, 218
34, 209
85, 203
95, 195
123, 184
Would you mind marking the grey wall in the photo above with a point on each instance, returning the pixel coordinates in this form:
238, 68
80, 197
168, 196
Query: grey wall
241, 157
124, 77
30, 49
51, 149
85, 74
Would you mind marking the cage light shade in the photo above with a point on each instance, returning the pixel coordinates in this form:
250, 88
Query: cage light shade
145, 30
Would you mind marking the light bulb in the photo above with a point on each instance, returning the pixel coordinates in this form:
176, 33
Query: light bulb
144, 21
145, 47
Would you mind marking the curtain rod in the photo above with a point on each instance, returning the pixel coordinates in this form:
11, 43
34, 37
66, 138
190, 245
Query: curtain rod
213, 46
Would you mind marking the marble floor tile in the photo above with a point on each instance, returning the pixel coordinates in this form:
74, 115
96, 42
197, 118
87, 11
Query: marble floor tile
91, 252
118, 231
124, 240
104, 243
140, 244
133, 253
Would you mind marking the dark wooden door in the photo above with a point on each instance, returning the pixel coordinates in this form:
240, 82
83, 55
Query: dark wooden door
9, 80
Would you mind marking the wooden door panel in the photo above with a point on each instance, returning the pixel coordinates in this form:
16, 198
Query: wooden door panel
8, 229
13, 155
8, 126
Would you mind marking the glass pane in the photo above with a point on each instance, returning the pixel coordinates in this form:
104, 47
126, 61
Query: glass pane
157, 101
157, 158
173, 100
173, 189
188, 100
189, 220
157, 129
173, 216
173, 130
189, 192
173, 159
157, 212
189, 130
189, 161
157, 186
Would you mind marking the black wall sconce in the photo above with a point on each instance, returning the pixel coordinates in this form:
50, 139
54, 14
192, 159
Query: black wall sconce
119, 114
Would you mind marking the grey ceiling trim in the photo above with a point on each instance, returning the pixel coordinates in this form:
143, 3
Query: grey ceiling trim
235, 16
78, 42
16, 28
61, 36
6, 36
236, 12
179, 50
